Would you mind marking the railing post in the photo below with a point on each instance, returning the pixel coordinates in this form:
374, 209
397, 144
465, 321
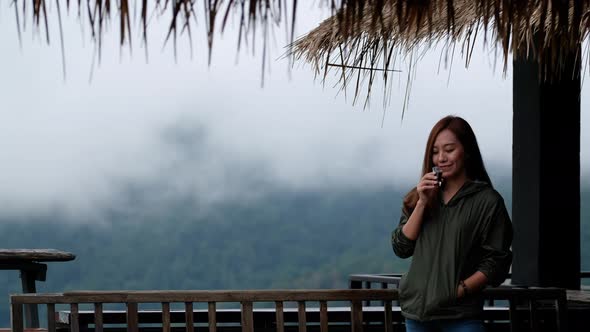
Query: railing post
324, 316
354, 284
533, 322
166, 316
302, 317
212, 317
247, 317
561, 321
132, 319
188, 314
16, 317
51, 317
74, 320
98, 322
279, 316
357, 316
388, 324
513, 314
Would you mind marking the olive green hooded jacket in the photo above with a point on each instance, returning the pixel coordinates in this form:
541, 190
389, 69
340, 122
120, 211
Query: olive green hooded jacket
472, 232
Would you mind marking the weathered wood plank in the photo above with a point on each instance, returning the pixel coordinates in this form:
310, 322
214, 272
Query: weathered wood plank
212, 317
357, 316
301, 317
208, 296
74, 319
190, 322
323, 316
16, 317
280, 316
51, 317
132, 319
247, 317
166, 317
578, 296
35, 255
388, 319
98, 318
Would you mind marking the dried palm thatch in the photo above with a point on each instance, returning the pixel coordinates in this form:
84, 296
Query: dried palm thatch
363, 41
132, 18
364, 44
360, 32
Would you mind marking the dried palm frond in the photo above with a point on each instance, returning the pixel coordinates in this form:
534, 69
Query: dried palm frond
184, 15
544, 31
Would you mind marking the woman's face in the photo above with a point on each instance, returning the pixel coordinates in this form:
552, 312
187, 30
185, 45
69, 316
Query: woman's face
448, 154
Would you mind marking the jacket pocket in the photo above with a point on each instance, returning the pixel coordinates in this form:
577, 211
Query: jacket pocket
447, 296
409, 298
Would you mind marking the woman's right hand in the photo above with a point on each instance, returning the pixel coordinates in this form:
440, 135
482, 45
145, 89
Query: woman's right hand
427, 188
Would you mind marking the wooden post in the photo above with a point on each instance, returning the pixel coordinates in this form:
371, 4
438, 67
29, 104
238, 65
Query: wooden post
51, 317
132, 319
16, 317
357, 316
323, 316
533, 317
388, 319
301, 316
31, 311
279, 316
188, 313
165, 316
98, 319
546, 175
247, 317
561, 322
74, 318
513, 314
212, 317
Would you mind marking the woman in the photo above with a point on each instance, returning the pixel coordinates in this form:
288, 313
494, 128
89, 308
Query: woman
458, 232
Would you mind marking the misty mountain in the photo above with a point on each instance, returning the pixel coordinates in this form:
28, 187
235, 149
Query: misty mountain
285, 239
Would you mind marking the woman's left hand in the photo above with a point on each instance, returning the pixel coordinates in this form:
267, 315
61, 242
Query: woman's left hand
460, 292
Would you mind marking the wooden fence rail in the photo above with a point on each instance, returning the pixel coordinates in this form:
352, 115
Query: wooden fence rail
513, 294
246, 299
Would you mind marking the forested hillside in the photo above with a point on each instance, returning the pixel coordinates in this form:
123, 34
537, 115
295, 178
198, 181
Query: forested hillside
281, 240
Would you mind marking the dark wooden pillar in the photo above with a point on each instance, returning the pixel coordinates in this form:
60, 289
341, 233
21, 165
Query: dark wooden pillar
546, 176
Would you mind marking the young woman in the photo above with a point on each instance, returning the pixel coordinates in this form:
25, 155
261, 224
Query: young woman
458, 232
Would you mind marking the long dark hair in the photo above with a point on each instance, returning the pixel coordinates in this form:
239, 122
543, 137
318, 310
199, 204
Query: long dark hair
473, 162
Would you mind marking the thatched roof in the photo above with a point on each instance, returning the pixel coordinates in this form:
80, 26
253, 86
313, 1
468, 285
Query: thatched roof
362, 44
361, 31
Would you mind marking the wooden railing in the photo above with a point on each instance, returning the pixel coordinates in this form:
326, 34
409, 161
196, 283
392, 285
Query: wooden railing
531, 297
246, 299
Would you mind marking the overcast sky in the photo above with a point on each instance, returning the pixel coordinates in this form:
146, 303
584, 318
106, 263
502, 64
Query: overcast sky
213, 131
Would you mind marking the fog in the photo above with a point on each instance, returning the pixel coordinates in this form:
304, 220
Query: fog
183, 128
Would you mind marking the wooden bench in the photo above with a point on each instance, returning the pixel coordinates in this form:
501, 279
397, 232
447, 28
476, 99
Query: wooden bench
319, 317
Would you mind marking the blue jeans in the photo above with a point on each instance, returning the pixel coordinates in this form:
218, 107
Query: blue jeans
451, 325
